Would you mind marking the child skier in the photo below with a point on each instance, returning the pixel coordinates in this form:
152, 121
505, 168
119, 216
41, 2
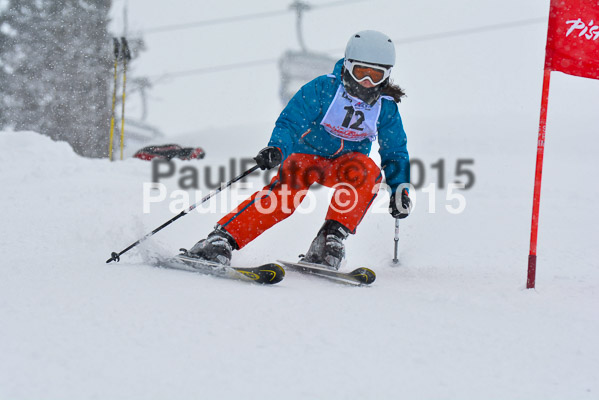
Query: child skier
324, 136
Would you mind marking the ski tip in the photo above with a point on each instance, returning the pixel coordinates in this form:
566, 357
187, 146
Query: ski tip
272, 273
268, 274
363, 275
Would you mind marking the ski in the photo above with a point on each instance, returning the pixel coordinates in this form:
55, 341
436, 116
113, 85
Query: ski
359, 276
265, 274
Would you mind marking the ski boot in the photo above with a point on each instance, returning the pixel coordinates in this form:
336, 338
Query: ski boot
217, 247
327, 248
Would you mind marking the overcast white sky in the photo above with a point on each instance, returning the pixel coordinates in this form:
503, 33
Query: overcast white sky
492, 72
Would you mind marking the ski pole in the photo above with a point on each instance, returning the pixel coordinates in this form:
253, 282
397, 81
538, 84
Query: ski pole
126, 58
114, 256
116, 63
396, 240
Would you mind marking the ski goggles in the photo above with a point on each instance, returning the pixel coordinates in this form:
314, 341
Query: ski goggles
360, 71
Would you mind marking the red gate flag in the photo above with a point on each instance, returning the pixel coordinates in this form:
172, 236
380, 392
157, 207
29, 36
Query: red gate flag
572, 48
573, 38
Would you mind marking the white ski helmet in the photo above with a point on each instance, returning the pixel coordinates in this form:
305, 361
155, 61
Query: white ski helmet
371, 47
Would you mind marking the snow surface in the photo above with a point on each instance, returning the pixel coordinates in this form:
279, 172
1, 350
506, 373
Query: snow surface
453, 320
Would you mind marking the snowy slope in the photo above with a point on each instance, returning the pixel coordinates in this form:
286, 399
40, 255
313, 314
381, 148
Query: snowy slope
453, 320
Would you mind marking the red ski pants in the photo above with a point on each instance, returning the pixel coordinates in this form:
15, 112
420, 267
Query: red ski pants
354, 176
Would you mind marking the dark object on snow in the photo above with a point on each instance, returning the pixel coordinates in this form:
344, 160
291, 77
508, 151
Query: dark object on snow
169, 151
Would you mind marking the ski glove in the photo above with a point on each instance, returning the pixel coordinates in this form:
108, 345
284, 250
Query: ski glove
400, 209
269, 157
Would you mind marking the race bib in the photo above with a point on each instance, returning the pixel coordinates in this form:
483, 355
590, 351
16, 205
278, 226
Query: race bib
350, 118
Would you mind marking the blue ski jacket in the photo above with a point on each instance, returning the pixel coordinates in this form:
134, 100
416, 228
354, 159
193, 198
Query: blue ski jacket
298, 129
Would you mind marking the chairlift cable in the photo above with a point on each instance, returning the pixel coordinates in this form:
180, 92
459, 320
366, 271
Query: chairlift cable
238, 18
419, 38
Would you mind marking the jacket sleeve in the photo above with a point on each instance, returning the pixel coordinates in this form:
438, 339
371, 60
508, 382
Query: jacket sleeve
393, 149
297, 117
